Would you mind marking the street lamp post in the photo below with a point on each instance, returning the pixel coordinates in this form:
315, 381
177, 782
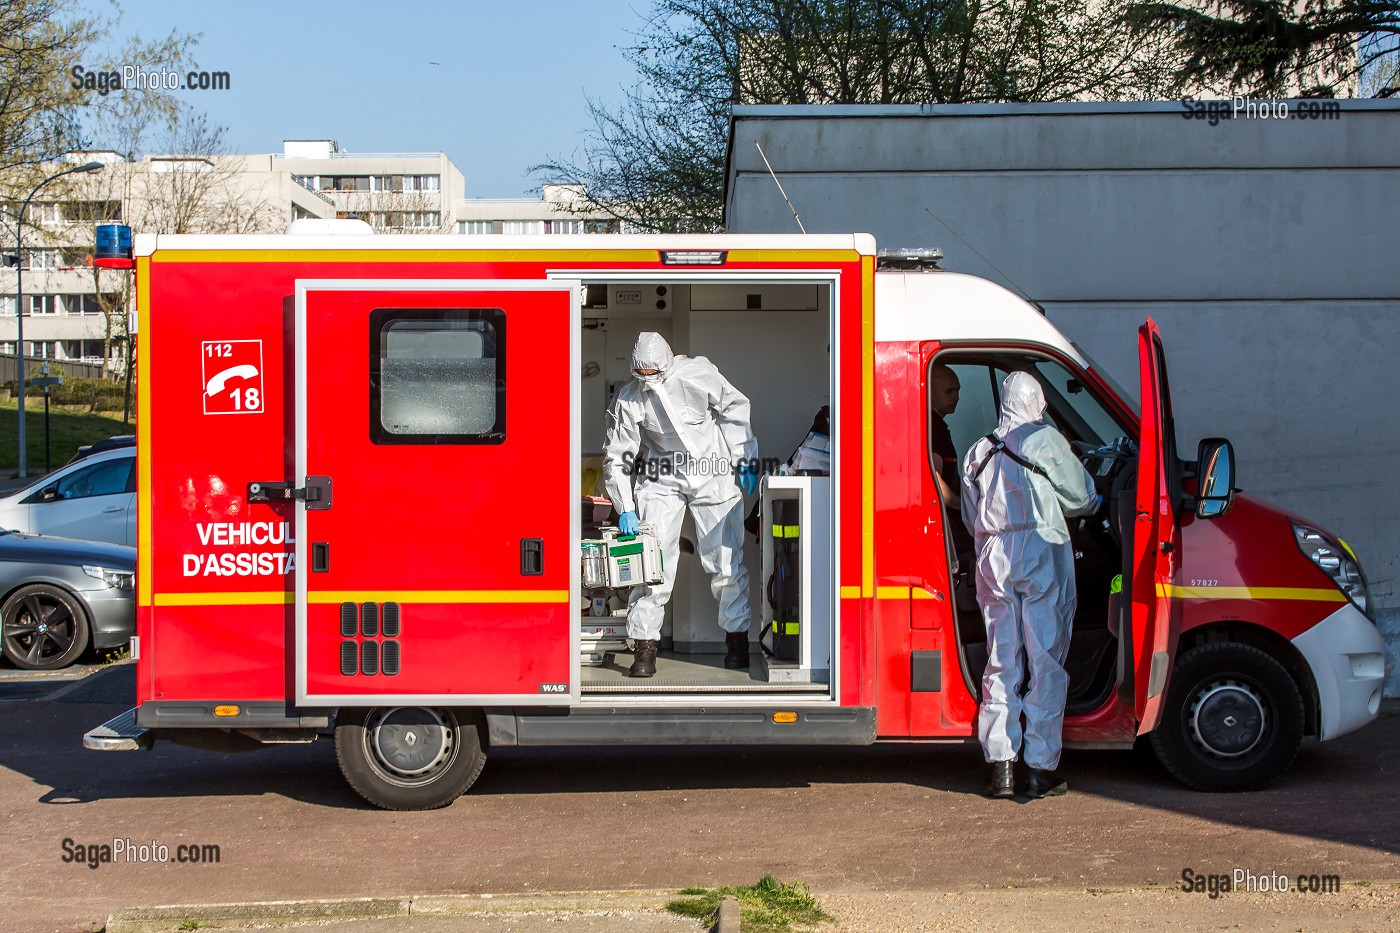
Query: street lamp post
19, 299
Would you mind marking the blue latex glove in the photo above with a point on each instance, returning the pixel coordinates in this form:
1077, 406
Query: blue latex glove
748, 479
627, 523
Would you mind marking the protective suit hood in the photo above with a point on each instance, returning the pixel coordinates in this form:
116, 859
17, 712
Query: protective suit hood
652, 352
1022, 402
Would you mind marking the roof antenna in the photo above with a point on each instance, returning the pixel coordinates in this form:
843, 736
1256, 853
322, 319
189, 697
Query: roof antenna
780, 188
1012, 282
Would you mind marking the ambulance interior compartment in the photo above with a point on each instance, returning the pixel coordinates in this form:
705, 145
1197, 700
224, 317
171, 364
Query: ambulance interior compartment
1108, 449
771, 340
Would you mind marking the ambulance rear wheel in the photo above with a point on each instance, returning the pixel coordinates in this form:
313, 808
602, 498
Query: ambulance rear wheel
1233, 720
410, 757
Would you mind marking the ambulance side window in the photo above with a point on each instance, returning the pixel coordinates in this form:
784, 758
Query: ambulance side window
437, 376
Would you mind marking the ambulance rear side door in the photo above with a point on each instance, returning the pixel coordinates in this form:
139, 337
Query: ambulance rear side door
436, 432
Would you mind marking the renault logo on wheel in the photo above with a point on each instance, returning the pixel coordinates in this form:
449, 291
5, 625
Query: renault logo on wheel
411, 738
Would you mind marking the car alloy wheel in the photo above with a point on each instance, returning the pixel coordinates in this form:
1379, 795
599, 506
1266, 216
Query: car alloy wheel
44, 628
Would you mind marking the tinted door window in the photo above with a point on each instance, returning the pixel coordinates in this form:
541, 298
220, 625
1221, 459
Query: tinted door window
99, 479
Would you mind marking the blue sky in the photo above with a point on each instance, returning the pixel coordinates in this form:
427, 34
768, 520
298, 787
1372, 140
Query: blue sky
508, 90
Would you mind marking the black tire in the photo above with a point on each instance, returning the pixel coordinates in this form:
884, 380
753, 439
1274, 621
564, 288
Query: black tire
1233, 721
410, 757
44, 627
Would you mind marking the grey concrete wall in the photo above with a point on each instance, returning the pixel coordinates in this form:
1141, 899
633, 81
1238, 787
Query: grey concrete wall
1265, 249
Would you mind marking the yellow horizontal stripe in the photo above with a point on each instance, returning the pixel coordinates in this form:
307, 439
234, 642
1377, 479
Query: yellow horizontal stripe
850, 592
390, 254
918, 592
281, 598
278, 598
1251, 592
891, 592
442, 596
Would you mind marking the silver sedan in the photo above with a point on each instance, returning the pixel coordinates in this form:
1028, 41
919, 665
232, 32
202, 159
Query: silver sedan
58, 596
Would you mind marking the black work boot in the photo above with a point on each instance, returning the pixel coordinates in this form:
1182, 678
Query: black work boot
736, 654
1045, 784
643, 659
1001, 782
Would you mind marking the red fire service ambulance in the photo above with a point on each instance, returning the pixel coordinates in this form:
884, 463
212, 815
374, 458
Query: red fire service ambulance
365, 468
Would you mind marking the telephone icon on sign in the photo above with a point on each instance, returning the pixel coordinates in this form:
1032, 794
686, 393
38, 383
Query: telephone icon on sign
242, 371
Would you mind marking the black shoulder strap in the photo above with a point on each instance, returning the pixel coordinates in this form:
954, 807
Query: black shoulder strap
999, 447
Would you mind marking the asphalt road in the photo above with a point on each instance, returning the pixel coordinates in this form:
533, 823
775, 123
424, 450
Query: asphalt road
889, 819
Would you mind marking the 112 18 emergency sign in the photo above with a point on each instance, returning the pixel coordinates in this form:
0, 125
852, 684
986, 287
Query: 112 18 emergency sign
233, 383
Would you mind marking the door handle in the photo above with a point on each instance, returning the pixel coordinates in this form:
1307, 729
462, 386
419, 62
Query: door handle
115, 508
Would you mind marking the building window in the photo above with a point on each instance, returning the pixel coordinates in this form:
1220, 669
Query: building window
42, 304
89, 351
344, 182
86, 304
437, 376
563, 226
300, 213
600, 226
44, 213
42, 259
522, 226
92, 212
476, 227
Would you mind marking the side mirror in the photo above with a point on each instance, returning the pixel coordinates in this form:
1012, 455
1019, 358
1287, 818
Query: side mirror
49, 493
1215, 475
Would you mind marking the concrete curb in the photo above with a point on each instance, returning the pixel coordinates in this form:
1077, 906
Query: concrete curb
279, 913
728, 915
87, 680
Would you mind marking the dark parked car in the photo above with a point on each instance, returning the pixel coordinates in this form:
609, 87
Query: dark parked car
112, 443
60, 595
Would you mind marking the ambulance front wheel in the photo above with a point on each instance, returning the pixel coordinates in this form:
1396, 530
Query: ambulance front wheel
1233, 719
410, 757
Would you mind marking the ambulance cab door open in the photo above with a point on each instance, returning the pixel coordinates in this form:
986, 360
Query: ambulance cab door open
1156, 536
436, 484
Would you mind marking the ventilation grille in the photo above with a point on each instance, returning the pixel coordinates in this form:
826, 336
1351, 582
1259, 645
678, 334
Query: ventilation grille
347, 620
348, 658
367, 655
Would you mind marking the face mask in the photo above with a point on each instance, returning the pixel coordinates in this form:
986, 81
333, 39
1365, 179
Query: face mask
651, 380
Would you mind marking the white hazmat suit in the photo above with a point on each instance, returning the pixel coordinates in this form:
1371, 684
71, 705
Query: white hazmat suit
695, 429
1025, 572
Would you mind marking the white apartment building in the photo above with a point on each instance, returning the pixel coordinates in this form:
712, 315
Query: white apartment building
72, 310
559, 209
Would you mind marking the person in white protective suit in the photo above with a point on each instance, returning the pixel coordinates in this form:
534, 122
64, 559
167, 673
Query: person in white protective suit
700, 449
1019, 484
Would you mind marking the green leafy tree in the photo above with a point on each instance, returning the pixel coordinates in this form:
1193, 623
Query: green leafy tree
657, 161
40, 43
1319, 48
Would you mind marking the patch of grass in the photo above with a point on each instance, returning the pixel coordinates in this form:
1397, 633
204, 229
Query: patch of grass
192, 925
68, 430
114, 656
770, 906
